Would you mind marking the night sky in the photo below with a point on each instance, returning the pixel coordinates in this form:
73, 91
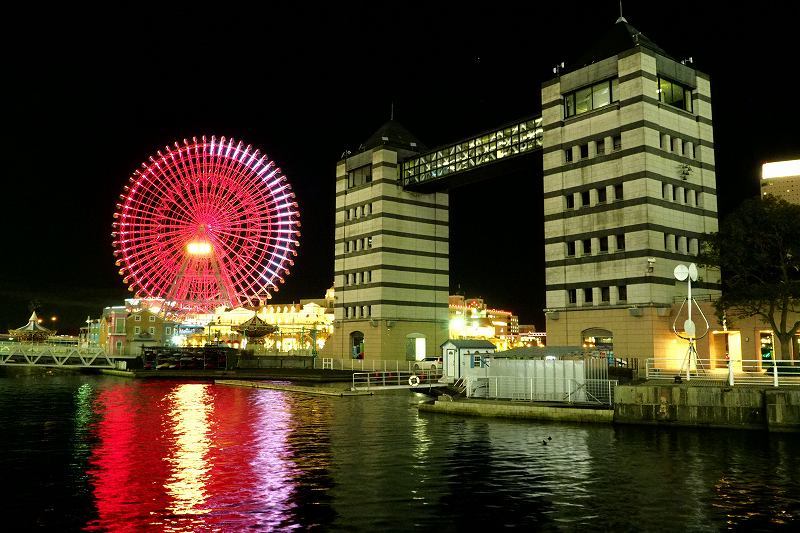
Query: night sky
91, 94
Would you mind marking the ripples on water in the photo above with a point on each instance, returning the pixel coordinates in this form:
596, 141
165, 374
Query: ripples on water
101, 454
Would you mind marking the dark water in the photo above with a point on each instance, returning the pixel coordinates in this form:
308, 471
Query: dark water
99, 453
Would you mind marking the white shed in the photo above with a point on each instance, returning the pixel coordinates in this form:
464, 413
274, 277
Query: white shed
459, 355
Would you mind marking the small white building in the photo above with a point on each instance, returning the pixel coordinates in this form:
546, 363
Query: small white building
460, 355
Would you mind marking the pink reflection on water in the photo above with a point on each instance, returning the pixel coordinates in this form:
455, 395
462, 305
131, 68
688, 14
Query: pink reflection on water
188, 457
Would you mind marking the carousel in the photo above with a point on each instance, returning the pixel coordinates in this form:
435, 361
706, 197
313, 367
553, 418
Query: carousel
33, 331
254, 330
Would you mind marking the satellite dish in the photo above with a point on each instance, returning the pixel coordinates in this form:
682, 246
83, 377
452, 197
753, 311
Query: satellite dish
689, 328
693, 271
681, 272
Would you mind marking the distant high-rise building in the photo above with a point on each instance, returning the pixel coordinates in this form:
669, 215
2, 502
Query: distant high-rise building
782, 180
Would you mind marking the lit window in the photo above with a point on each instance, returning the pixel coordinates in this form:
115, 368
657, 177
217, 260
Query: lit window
592, 97
675, 94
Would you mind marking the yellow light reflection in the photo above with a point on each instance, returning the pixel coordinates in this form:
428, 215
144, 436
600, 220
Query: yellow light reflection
190, 416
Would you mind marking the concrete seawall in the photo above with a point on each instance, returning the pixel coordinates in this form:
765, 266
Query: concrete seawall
526, 410
708, 406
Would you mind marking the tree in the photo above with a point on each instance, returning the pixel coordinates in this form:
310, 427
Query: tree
758, 250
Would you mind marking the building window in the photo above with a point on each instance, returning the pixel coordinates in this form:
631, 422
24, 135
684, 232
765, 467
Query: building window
585, 199
151, 318
361, 277
584, 151
137, 318
347, 214
601, 195
620, 242
617, 140
603, 245
572, 296
588, 296
618, 194
675, 94
601, 147
592, 97
151, 330
622, 293
605, 294
369, 276
570, 201
137, 330
369, 242
359, 176
168, 330
587, 246
568, 155
571, 249
347, 246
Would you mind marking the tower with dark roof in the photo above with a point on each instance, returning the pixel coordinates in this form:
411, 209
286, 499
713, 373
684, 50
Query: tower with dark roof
391, 271
629, 191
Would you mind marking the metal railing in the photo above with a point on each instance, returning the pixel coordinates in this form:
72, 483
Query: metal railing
373, 365
721, 372
567, 390
393, 380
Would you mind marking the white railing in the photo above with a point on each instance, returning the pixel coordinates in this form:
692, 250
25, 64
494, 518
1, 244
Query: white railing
397, 379
57, 355
550, 389
374, 365
734, 372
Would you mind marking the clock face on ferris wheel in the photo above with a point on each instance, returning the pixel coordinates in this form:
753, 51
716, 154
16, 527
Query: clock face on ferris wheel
206, 223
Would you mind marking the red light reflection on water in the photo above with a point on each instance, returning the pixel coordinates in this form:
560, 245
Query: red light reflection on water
183, 457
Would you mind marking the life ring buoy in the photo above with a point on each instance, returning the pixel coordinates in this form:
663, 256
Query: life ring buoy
413, 381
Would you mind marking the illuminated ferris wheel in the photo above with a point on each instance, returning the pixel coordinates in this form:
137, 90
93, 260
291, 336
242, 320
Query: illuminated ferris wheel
206, 223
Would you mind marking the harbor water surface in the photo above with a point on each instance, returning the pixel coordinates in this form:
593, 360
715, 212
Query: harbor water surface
111, 454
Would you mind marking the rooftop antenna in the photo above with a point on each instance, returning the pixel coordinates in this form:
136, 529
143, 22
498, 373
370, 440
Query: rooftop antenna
621, 18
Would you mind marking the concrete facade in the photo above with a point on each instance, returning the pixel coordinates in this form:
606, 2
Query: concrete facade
391, 273
629, 190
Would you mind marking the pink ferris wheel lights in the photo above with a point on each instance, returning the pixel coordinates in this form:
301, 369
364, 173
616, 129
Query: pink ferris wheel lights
206, 223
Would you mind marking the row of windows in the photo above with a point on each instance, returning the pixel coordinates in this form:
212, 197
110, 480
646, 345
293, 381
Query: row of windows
138, 318
357, 278
359, 176
681, 244
605, 243
151, 330
583, 151
682, 195
600, 195
676, 145
358, 244
358, 311
592, 97
603, 293
675, 94
358, 212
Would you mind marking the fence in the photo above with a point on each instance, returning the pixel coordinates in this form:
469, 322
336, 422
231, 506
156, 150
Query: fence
569, 390
721, 372
373, 365
394, 379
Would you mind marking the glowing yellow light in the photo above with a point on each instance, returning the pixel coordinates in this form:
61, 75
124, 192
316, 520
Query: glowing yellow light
53, 318
198, 248
781, 169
